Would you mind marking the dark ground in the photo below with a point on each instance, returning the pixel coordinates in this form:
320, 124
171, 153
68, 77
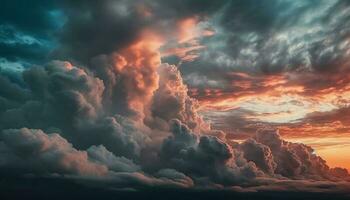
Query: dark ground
43, 188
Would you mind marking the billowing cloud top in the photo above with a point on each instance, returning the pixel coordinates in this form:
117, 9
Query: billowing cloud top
140, 94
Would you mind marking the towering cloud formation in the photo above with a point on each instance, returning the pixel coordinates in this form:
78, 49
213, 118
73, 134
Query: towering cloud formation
131, 75
70, 103
171, 101
285, 158
117, 115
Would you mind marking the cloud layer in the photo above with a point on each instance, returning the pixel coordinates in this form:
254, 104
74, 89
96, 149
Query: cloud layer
116, 114
63, 124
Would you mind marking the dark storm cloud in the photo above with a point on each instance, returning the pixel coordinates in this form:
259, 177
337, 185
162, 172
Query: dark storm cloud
34, 151
27, 28
60, 126
58, 28
260, 154
200, 155
292, 160
258, 37
60, 97
80, 138
117, 22
30, 17
179, 9
250, 35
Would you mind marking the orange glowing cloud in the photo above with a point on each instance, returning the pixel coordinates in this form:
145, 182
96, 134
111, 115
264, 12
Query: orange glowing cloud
311, 108
187, 29
186, 38
185, 53
137, 65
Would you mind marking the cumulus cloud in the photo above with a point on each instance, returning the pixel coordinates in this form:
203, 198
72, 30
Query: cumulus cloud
66, 99
34, 151
31, 151
119, 164
125, 118
133, 71
85, 138
172, 101
204, 157
260, 154
292, 159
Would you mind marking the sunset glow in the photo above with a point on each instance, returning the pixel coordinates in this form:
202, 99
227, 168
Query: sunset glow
190, 99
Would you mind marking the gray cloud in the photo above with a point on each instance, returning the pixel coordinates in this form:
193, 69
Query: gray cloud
260, 154
259, 38
171, 100
292, 159
33, 151
83, 138
206, 157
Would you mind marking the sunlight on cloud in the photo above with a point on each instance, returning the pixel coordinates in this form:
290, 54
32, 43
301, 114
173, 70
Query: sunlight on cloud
283, 109
333, 149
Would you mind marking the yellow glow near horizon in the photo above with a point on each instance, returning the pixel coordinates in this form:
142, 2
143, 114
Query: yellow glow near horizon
335, 150
302, 115
275, 109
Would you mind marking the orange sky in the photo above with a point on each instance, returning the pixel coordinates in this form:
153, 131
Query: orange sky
309, 107
303, 110
335, 150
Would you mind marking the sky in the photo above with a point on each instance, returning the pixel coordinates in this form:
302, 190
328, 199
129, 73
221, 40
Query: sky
232, 98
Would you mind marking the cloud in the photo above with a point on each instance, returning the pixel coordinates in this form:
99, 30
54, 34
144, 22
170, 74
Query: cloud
33, 151
133, 71
292, 159
119, 164
260, 154
24, 40
116, 21
69, 103
204, 157
120, 118
171, 101
121, 23
284, 36
66, 99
